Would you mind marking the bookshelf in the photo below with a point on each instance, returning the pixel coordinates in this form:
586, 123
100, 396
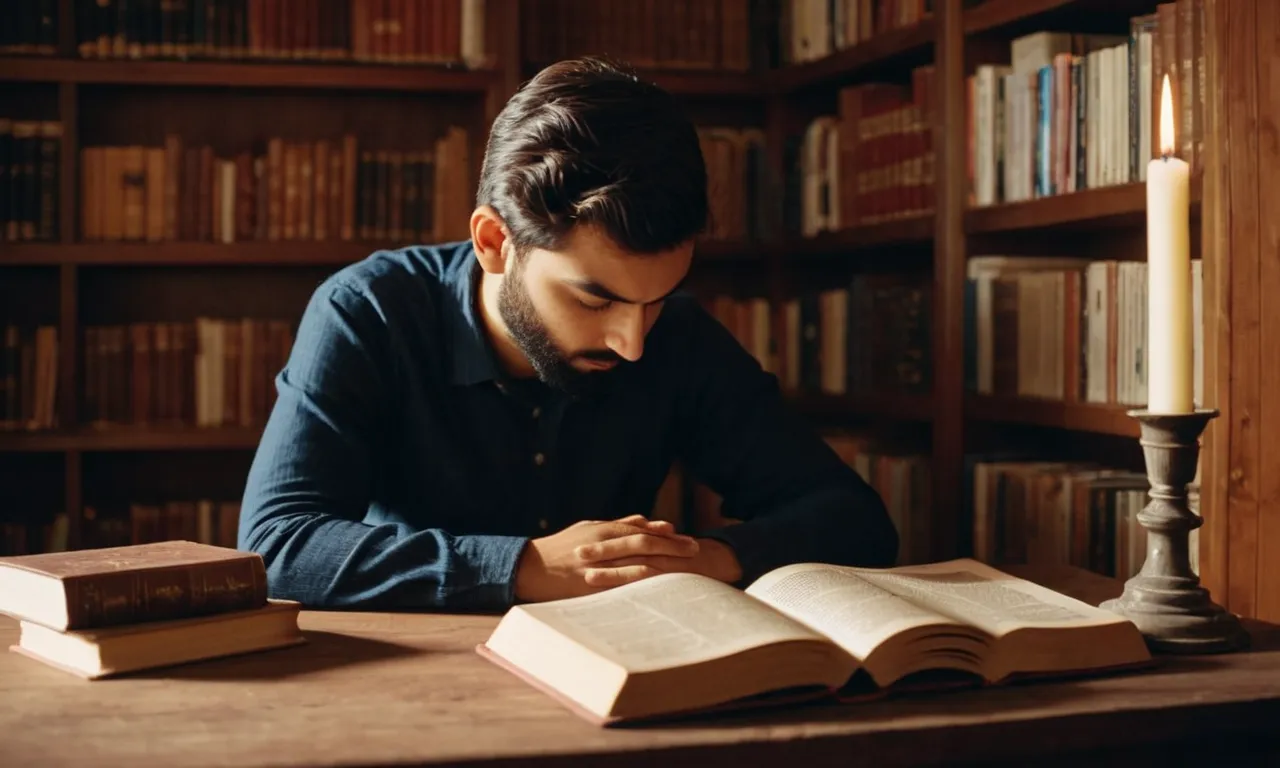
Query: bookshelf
81, 283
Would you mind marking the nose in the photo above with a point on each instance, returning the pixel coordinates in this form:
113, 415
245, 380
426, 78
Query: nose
626, 337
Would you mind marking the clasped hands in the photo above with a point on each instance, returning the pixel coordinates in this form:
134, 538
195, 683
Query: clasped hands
594, 555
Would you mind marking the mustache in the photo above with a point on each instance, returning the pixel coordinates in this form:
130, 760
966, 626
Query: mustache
600, 355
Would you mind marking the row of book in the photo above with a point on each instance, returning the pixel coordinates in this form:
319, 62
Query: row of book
872, 162
107, 524
30, 28
30, 171
658, 34
1066, 329
28, 378
280, 190
1061, 513
212, 372
814, 29
1074, 112
403, 32
741, 192
872, 337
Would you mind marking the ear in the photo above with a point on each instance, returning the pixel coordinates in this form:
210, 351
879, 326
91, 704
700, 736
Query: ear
489, 237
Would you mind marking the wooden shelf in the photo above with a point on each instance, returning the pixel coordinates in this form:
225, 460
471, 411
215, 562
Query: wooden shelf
257, 253
1080, 417
907, 43
1122, 205
907, 231
353, 76
1020, 16
132, 439
185, 253
890, 406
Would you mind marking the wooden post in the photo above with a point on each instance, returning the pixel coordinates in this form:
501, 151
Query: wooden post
950, 532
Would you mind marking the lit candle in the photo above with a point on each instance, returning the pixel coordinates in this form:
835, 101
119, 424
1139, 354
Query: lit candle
1169, 387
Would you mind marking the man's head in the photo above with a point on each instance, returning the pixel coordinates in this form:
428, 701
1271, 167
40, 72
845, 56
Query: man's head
592, 191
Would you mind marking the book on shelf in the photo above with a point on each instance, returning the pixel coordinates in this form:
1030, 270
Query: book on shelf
1065, 329
729, 35
809, 31
30, 28
30, 170
441, 32
1071, 112
871, 162
679, 644
321, 190
28, 378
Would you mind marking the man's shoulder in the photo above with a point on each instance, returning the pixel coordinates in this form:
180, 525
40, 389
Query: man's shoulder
388, 277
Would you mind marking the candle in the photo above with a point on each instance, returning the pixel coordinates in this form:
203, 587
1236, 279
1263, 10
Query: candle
1169, 374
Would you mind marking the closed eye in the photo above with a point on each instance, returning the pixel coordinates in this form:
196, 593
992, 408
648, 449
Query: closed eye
595, 307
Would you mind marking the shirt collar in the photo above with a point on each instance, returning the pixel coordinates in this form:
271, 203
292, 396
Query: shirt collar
473, 360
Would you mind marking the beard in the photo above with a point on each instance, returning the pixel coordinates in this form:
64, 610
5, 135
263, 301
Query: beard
552, 365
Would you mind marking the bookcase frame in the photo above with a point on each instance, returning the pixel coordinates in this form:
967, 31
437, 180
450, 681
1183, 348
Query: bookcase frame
950, 229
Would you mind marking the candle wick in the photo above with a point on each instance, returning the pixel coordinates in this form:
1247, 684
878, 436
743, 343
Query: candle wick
1165, 156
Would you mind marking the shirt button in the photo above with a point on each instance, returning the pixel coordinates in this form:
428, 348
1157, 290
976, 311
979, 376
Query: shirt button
537, 412
543, 524
539, 459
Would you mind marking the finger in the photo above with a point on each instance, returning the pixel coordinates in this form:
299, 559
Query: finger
662, 563
637, 544
654, 526
616, 577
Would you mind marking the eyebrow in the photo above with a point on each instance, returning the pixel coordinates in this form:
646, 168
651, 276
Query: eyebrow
601, 292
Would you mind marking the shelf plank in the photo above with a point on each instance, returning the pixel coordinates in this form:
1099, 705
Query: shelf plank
1105, 207
185, 253
132, 439
259, 253
1121, 205
905, 231
354, 76
1079, 417
913, 42
1020, 16
893, 406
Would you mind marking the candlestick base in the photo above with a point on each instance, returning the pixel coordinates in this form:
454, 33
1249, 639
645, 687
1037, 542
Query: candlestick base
1165, 600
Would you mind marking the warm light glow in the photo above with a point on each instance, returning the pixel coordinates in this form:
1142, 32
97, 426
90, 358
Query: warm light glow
1166, 118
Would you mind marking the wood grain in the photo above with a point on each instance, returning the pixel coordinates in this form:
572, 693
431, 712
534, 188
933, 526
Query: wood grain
1082, 417
1267, 603
1215, 238
354, 77
951, 527
1241, 81
408, 689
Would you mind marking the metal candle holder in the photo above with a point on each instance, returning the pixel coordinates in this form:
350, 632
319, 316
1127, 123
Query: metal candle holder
1165, 600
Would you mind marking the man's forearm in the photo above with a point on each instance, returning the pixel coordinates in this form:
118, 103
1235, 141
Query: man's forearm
328, 562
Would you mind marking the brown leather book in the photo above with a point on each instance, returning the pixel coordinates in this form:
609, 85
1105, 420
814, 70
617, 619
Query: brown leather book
128, 585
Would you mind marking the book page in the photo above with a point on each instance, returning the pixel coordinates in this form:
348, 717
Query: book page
853, 612
986, 598
669, 620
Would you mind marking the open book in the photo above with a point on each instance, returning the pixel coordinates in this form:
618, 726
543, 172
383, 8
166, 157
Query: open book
681, 643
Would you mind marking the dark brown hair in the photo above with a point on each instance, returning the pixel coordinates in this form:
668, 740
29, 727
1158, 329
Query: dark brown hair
584, 142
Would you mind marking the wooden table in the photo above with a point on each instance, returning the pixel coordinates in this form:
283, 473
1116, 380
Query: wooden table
405, 689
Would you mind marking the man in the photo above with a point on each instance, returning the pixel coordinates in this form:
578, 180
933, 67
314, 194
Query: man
468, 425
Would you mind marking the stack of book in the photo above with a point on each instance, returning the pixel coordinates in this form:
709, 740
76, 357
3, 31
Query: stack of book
103, 612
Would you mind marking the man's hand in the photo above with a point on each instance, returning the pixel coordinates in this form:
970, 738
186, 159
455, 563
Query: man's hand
714, 558
571, 562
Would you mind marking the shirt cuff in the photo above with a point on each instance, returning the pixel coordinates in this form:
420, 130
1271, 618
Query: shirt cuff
494, 560
755, 544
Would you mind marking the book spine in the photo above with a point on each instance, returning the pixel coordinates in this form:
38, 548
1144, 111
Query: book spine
130, 597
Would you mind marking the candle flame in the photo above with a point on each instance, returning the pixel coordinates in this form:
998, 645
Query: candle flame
1166, 118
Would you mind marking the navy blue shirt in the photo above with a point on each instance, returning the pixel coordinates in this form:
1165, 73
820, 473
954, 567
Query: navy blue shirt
401, 469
